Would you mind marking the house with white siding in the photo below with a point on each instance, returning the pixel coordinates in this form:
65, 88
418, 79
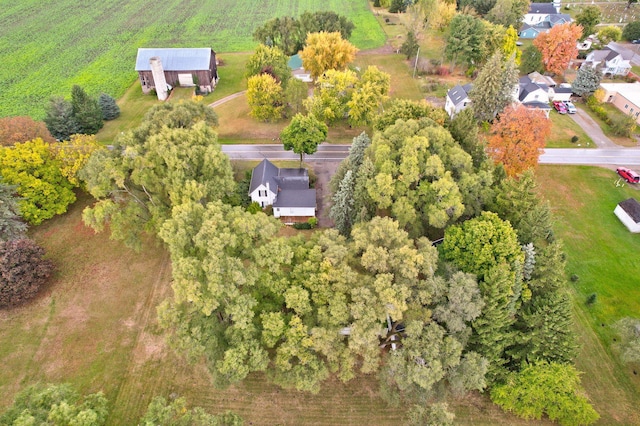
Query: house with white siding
286, 190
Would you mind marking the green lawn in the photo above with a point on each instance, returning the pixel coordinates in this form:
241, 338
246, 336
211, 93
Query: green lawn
603, 255
44, 51
563, 129
612, 111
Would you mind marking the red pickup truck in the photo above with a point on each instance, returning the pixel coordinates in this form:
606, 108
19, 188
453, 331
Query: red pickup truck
628, 175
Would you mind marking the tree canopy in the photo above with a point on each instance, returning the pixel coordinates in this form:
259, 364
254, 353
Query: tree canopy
269, 60
326, 51
171, 158
303, 135
558, 46
493, 89
465, 40
22, 129
587, 81
588, 18
265, 97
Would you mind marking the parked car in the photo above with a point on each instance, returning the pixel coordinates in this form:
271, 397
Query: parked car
636, 41
628, 175
560, 107
571, 108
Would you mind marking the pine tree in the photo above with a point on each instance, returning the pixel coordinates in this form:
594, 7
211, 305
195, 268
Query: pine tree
86, 111
11, 224
410, 46
587, 81
342, 211
110, 110
60, 119
493, 89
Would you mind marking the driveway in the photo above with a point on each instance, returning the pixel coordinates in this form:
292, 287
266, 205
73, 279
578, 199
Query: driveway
324, 170
592, 129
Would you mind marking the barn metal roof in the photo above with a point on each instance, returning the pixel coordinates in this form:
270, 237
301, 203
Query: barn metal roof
175, 59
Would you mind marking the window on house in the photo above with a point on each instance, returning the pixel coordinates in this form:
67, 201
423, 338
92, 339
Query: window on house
631, 111
626, 106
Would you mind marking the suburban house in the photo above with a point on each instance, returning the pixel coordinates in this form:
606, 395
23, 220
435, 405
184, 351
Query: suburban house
295, 63
608, 61
540, 18
457, 99
534, 95
286, 190
624, 96
556, 92
163, 69
628, 211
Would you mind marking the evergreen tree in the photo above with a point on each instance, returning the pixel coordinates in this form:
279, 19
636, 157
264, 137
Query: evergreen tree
60, 119
493, 89
464, 130
342, 211
86, 111
11, 224
410, 46
587, 81
109, 107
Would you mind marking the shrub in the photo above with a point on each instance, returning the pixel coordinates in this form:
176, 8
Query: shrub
443, 71
622, 125
313, 222
23, 271
254, 208
304, 225
591, 299
574, 278
574, 138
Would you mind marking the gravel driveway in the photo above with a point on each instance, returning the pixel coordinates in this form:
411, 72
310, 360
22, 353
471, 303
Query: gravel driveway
324, 170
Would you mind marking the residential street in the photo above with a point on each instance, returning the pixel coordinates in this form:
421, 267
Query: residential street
628, 157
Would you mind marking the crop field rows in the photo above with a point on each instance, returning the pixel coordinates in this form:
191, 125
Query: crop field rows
46, 48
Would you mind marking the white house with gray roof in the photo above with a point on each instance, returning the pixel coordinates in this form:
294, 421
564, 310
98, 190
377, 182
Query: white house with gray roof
287, 190
628, 211
608, 61
457, 99
540, 18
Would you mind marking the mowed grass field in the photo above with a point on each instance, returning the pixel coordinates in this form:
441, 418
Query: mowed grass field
604, 256
47, 47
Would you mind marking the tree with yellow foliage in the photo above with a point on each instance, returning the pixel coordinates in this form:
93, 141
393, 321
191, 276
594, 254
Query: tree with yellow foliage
326, 51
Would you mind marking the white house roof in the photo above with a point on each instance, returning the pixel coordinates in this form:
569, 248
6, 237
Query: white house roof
632, 207
175, 59
630, 91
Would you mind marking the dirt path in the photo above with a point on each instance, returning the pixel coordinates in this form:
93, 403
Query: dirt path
592, 129
227, 99
324, 170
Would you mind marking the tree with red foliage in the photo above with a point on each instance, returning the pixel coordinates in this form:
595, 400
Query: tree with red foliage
22, 129
558, 46
22, 271
518, 137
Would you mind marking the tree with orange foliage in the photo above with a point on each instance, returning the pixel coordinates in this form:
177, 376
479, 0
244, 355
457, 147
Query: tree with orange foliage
518, 137
22, 129
558, 46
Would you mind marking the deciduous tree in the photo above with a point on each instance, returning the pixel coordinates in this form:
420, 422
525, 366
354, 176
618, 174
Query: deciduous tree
269, 60
327, 21
326, 51
518, 137
175, 413
509, 47
493, 89
587, 81
508, 12
442, 15
171, 158
406, 109
44, 190
303, 135
285, 33
295, 94
631, 31
332, 94
608, 34
558, 46
371, 92
545, 388
22, 129
23, 271
74, 154
265, 97
58, 405
588, 18
531, 60
11, 224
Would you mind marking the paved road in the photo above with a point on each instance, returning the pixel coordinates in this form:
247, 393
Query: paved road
628, 157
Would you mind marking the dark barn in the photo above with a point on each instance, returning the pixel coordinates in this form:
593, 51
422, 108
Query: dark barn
181, 67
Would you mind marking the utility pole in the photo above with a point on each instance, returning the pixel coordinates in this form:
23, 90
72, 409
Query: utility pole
416, 64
